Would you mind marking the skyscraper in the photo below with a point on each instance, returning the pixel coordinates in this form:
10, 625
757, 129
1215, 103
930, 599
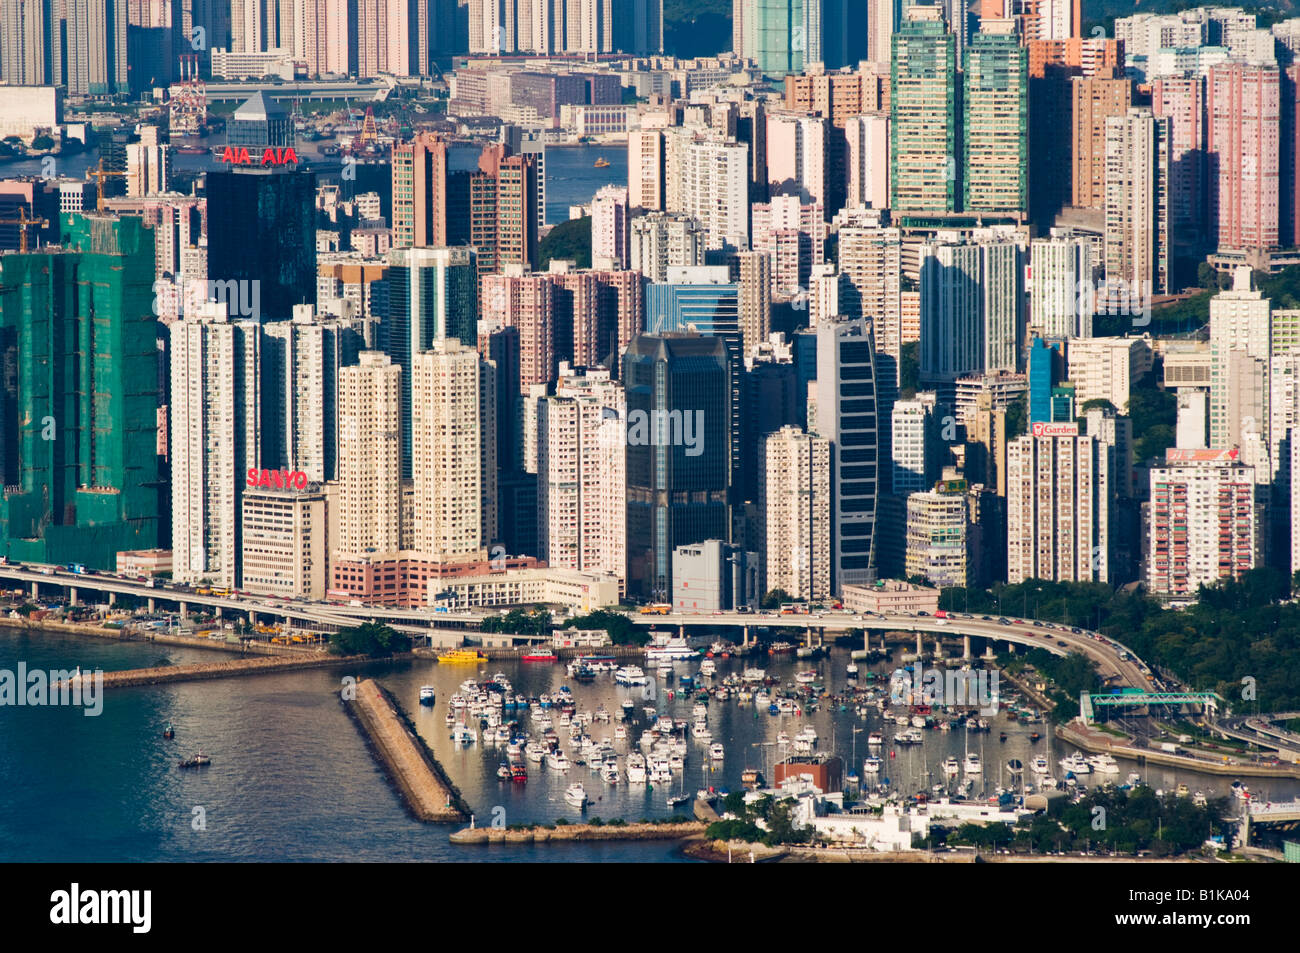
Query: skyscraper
794, 500
923, 116
678, 461
79, 401
446, 446
262, 234
369, 471
1242, 148
847, 415
995, 121
1137, 210
1061, 296
432, 296
215, 429
1058, 506
1095, 99
582, 476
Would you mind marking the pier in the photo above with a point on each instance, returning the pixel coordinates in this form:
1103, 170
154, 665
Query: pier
424, 786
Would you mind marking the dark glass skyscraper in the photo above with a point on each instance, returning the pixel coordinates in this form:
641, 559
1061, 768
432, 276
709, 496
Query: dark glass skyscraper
262, 228
678, 454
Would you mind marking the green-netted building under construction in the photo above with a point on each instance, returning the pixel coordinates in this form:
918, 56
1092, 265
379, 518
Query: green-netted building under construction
79, 396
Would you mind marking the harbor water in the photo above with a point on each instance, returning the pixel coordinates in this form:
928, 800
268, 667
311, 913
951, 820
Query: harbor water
291, 778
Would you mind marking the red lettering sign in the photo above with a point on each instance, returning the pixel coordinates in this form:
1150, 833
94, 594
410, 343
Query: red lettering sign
270, 156
277, 479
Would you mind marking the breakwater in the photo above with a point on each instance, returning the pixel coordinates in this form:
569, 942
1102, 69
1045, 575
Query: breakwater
424, 786
538, 834
165, 674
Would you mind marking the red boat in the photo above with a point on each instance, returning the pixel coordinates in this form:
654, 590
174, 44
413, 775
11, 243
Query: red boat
541, 657
518, 774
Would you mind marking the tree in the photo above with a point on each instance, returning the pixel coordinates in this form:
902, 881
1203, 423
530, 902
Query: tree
1101, 402
1018, 417
909, 370
42, 142
775, 598
571, 239
620, 628
369, 638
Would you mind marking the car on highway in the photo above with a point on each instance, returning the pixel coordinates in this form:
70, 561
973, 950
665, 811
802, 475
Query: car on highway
1075, 631
1061, 643
1004, 621
986, 618
1038, 624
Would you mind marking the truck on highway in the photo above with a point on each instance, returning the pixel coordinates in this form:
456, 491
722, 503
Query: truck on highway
77, 568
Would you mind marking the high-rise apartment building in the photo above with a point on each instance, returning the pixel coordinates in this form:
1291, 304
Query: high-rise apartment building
610, 228
369, 471
995, 121
215, 429
1181, 100
1062, 293
446, 450
794, 498
923, 91
1202, 522
1137, 211
936, 535
1095, 99
582, 475
659, 240
1242, 148
1058, 506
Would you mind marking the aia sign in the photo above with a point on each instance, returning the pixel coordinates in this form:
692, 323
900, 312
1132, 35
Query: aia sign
279, 479
240, 156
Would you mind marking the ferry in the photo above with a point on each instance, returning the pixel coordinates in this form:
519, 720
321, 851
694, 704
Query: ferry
631, 676
540, 656
427, 695
665, 649
460, 656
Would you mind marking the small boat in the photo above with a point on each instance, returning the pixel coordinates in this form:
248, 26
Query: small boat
518, 773
576, 795
971, 765
716, 752
169, 731
875, 738
1104, 764
610, 774
950, 765
427, 695
503, 772
601, 163
871, 766
1182, 790
1039, 765
200, 760
851, 670
1002, 736
1075, 764
678, 800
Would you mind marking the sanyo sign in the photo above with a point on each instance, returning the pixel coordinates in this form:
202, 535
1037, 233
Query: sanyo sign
277, 479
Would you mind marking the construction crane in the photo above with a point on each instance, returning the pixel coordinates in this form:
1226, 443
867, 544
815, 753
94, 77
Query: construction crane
99, 175
23, 223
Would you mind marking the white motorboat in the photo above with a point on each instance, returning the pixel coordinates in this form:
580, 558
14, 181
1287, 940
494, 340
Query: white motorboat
875, 738
427, 695
851, 670
716, 752
950, 765
670, 649
1104, 764
1075, 764
1039, 765
971, 764
620, 733
576, 795
610, 774
557, 761
708, 668
636, 773
871, 766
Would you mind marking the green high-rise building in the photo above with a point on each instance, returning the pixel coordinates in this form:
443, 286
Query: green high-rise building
79, 396
923, 161
995, 121
777, 35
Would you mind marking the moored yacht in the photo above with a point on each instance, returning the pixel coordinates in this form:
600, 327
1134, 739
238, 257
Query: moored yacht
971, 764
576, 795
1104, 764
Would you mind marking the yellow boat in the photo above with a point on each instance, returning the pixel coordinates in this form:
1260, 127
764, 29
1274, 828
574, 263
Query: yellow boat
602, 162
460, 655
